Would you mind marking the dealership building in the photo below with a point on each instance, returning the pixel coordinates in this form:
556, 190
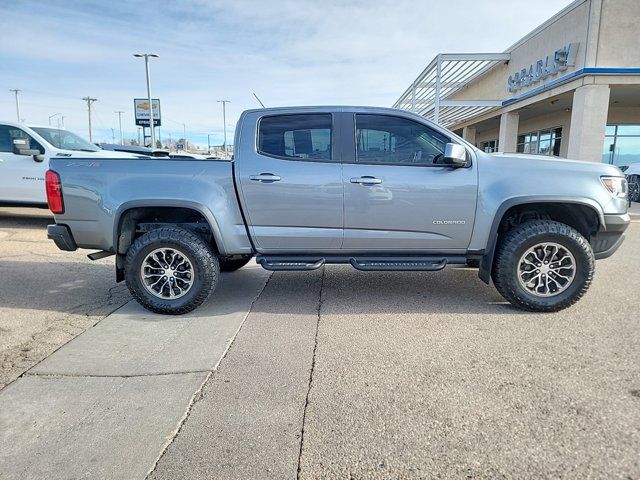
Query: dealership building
570, 88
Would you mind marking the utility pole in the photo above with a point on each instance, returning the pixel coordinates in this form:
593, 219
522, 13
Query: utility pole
16, 91
224, 123
119, 112
184, 135
146, 64
89, 101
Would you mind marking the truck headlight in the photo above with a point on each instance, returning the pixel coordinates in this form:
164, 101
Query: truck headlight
616, 185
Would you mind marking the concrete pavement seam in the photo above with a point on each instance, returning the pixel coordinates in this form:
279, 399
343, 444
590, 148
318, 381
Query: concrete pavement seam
110, 294
313, 365
198, 394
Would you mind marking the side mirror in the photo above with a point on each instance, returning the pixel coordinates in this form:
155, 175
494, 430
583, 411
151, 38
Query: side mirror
38, 157
455, 155
22, 146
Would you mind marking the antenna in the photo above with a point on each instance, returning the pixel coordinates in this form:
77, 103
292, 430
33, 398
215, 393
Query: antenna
260, 101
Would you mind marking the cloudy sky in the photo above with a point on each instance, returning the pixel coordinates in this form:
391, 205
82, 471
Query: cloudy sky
289, 52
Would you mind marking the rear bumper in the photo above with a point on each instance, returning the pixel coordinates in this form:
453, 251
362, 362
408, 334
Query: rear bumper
62, 237
610, 236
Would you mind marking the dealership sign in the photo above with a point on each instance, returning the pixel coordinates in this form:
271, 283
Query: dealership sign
552, 64
141, 107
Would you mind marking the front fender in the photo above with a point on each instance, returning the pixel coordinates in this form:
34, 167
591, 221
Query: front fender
486, 264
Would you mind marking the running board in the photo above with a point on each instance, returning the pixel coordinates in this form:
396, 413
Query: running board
373, 263
284, 264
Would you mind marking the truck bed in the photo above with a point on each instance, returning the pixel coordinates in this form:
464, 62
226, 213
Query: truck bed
98, 191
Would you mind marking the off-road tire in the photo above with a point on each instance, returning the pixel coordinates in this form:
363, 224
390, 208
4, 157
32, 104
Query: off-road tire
634, 188
231, 265
200, 255
524, 236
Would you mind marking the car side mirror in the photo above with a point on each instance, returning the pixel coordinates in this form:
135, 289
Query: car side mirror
455, 155
22, 146
38, 157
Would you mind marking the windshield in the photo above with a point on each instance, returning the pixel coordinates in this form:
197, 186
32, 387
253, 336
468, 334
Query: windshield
65, 140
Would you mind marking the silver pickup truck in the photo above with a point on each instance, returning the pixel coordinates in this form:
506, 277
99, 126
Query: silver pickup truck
375, 188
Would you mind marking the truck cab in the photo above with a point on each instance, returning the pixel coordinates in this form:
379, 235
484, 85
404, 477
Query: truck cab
25, 151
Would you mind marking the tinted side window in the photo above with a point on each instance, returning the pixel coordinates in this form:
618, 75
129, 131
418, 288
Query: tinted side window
305, 136
387, 139
7, 134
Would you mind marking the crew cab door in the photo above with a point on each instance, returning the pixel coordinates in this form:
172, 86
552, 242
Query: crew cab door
290, 182
398, 194
21, 176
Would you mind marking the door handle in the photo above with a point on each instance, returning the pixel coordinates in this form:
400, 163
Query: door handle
366, 180
265, 178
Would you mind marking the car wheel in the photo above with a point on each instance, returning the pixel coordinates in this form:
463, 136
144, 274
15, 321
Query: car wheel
233, 264
543, 266
634, 188
171, 270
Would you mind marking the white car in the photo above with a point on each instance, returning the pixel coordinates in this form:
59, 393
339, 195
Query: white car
24, 158
633, 177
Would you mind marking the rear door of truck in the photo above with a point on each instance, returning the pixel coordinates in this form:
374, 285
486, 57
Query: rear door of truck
290, 180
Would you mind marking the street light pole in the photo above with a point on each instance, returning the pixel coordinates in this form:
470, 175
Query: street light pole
52, 116
89, 101
184, 135
146, 64
120, 112
209, 143
224, 123
16, 91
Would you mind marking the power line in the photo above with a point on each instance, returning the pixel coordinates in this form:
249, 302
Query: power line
89, 101
16, 91
120, 112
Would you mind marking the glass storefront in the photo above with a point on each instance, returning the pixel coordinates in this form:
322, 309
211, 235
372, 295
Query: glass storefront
544, 142
621, 145
490, 146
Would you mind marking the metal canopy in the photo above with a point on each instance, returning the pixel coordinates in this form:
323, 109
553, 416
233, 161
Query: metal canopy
445, 75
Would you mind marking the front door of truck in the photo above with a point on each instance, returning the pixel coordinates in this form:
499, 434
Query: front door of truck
21, 176
290, 183
398, 194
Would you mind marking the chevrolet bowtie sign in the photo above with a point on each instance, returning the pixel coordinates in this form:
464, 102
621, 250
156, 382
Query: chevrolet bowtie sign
561, 59
142, 111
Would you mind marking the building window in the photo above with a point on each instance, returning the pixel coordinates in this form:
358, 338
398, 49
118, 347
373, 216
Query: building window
621, 145
489, 146
543, 142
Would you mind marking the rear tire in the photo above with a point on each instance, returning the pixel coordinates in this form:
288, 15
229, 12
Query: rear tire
171, 270
231, 265
523, 270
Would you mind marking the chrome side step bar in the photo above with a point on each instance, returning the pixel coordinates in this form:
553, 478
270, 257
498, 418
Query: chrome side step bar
370, 263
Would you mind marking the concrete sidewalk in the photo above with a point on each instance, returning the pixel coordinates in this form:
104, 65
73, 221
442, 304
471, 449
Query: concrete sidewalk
107, 404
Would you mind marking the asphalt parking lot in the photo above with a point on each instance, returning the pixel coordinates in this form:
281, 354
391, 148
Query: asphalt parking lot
330, 374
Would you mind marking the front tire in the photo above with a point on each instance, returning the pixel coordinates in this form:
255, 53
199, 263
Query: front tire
634, 188
543, 266
171, 270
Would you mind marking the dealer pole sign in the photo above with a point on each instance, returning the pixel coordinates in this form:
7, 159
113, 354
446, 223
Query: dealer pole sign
142, 115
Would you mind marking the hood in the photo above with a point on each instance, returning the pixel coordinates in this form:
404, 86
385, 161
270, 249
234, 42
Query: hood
555, 163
